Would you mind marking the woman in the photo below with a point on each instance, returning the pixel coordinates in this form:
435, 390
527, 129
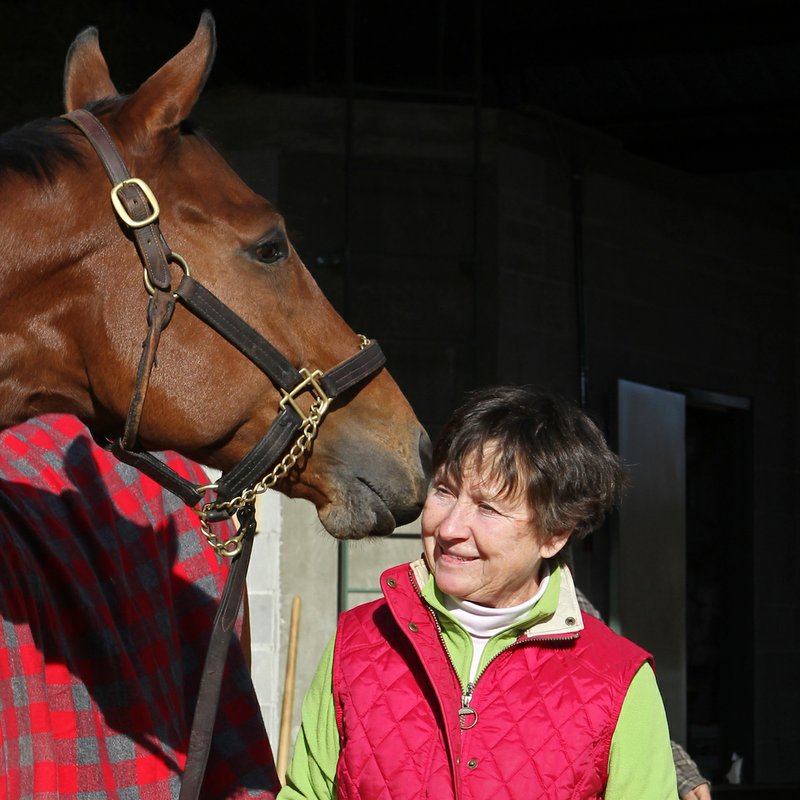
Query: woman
476, 675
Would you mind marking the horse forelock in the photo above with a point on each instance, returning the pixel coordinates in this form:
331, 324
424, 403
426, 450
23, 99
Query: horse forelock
37, 149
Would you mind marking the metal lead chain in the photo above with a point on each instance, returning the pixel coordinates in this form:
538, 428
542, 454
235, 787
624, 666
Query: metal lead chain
229, 548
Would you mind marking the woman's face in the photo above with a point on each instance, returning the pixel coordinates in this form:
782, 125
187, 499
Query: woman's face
483, 546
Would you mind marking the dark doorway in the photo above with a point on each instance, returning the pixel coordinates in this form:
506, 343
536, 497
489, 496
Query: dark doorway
719, 591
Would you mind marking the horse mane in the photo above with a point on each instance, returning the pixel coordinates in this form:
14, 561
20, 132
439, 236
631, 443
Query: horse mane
36, 149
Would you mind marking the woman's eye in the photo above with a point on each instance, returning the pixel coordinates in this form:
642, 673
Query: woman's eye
270, 252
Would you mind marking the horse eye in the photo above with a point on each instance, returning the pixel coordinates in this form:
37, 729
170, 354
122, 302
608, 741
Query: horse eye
271, 251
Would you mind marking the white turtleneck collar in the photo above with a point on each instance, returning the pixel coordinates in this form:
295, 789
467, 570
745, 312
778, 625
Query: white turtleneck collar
482, 622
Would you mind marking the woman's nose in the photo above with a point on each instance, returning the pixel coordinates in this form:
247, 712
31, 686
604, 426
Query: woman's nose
454, 525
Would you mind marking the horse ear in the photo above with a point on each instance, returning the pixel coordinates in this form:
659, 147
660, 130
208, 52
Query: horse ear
165, 99
86, 77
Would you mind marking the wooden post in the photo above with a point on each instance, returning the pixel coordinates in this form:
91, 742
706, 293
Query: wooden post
284, 742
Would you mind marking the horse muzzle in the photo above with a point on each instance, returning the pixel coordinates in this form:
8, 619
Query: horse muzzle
372, 491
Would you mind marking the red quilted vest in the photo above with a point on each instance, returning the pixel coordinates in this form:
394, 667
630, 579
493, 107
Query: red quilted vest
547, 708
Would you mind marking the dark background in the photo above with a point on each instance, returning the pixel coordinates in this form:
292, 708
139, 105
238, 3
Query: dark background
704, 86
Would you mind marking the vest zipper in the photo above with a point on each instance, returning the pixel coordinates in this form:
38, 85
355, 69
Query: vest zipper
468, 716
466, 695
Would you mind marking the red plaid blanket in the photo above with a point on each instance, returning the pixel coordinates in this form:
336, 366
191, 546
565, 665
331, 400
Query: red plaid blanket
107, 596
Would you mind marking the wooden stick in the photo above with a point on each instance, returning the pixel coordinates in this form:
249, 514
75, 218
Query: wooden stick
247, 646
284, 742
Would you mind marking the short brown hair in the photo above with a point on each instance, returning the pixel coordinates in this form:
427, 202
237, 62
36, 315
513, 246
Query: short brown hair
542, 445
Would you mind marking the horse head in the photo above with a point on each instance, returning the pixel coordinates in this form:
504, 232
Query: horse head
73, 336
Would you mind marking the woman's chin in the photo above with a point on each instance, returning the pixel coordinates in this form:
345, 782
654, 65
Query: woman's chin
455, 577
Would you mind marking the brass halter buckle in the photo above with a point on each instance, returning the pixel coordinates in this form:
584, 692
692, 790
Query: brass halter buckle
310, 383
120, 208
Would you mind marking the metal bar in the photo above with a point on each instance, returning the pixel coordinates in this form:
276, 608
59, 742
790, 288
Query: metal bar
311, 43
576, 196
342, 577
342, 551
476, 177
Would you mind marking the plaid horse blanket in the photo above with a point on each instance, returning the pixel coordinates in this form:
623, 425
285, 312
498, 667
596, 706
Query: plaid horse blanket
107, 596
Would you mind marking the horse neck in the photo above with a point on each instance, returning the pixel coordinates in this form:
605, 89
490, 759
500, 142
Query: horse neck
44, 315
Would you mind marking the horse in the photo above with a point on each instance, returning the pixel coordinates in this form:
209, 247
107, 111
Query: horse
167, 310
74, 312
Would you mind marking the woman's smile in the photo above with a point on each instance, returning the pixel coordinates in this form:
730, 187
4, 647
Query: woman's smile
455, 557
482, 544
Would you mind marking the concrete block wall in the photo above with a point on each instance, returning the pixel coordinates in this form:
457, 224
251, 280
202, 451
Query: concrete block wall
263, 594
308, 570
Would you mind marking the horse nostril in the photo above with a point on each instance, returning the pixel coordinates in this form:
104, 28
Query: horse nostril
425, 453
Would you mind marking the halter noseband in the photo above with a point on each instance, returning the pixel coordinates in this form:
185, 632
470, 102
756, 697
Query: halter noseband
293, 430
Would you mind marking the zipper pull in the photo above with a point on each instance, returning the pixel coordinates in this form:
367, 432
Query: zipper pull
467, 716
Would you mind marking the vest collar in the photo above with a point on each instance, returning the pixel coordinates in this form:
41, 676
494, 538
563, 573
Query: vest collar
566, 622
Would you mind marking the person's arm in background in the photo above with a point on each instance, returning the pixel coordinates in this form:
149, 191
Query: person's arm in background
691, 784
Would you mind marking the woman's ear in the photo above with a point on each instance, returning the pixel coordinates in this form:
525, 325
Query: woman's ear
555, 543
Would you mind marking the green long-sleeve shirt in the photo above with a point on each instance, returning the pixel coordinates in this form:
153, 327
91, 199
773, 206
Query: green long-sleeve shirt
640, 760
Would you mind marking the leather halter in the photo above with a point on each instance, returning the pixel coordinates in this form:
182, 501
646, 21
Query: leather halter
293, 430
138, 210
